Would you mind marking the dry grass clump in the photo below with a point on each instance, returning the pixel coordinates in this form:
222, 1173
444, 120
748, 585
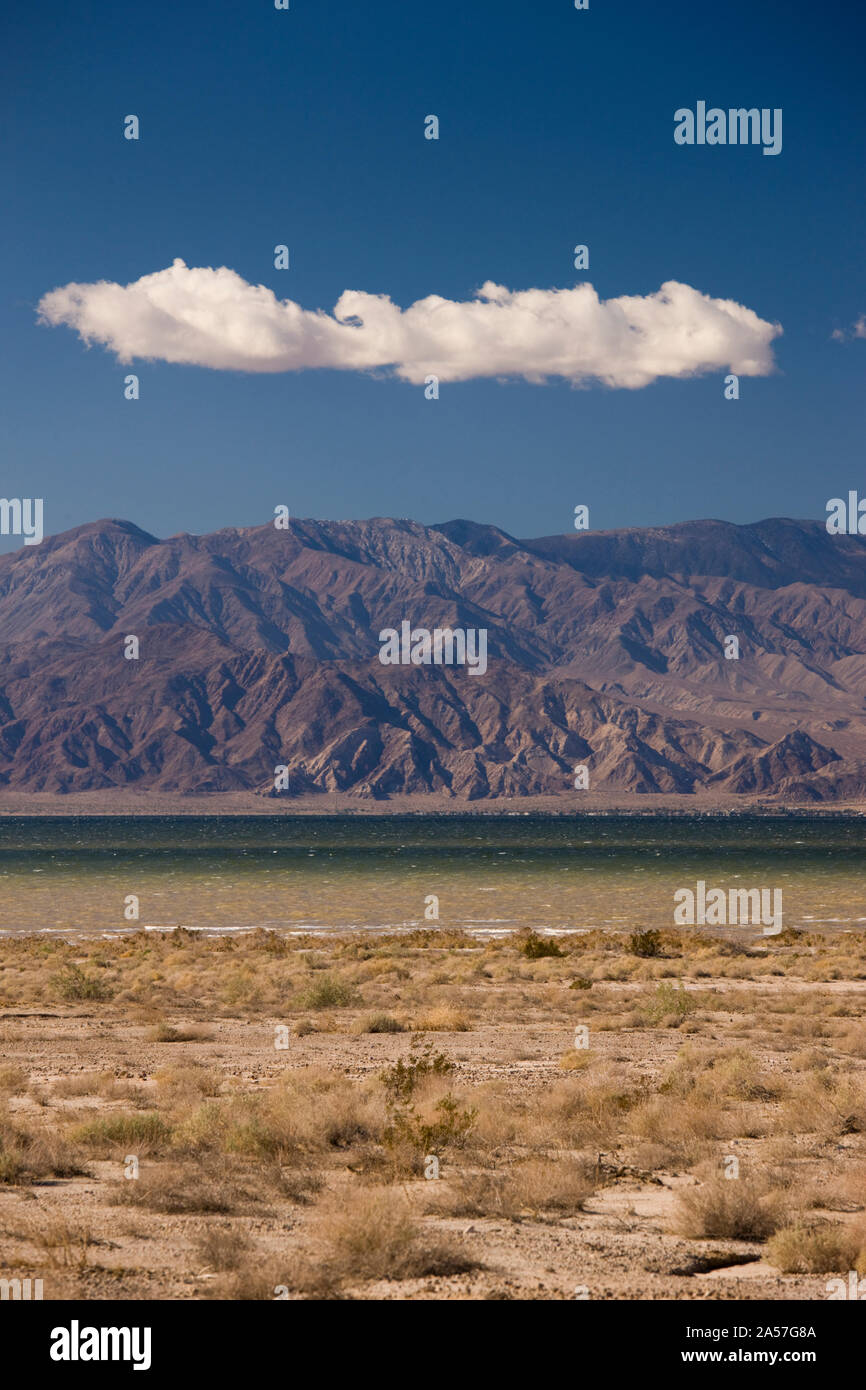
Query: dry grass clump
484, 1193
375, 1235
826, 1103
223, 1247
853, 1041
379, 1023
722, 1075
542, 1184
105, 1136
685, 1128
669, 1006
553, 1185
28, 1155
167, 1033
575, 1059
827, 1248
63, 1244
13, 1081
304, 1113
363, 1236
581, 1111
730, 1209
187, 1082
73, 984
174, 1190
330, 992
215, 1186
104, 1084
443, 1018
501, 1117
254, 1281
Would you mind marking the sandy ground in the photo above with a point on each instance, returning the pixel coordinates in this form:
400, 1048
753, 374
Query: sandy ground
623, 1241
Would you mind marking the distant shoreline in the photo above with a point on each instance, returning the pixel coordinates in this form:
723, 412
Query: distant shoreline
217, 804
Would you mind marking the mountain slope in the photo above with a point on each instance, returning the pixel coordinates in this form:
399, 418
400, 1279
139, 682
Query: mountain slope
259, 648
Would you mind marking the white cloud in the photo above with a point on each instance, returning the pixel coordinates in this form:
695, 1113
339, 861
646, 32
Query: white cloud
857, 330
214, 318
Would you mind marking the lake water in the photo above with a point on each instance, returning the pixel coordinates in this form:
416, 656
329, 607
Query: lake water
490, 873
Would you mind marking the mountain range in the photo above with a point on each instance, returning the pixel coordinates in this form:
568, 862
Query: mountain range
259, 647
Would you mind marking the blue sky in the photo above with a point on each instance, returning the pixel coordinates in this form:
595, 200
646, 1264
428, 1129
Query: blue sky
306, 127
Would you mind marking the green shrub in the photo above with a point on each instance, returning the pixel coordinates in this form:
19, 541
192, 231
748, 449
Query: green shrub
73, 983
383, 1023
671, 1004
146, 1130
645, 943
401, 1080
535, 947
329, 993
412, 1139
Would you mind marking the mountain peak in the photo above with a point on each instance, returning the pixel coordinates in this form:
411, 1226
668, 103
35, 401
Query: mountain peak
700, 657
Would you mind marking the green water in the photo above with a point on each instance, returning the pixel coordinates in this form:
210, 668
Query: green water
490, 873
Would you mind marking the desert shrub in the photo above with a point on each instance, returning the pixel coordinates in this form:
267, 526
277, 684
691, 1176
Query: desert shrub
13, 1080
168, 1033
403, 1078
145, 1132
645, 943
670, 1004
28, 1155
827, 1104
222, 1247
729, 1209
575, 1059
443, 1018
410, 1137
176, 1192
474, 1194
543, 1184
72, 984
536, 947
814, 1249
329, 993
382, 1023
376, 1236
